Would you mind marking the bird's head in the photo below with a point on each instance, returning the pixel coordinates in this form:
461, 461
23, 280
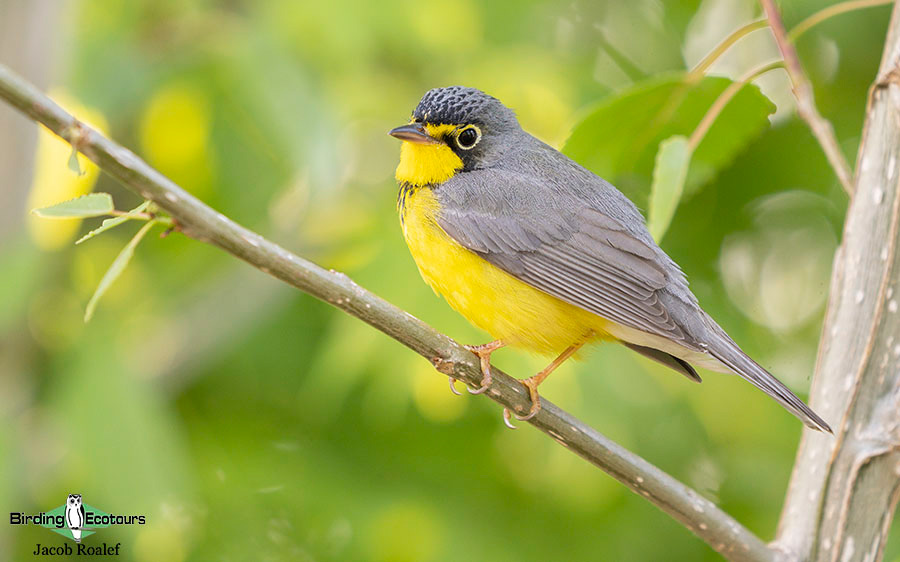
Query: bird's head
452, 130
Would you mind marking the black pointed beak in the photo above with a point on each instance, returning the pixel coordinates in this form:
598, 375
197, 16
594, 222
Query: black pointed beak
414, 132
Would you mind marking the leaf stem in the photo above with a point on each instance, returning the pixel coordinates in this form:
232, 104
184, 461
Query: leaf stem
115, 269
726, 96
700, 68
162, 219
830, 12
626, 66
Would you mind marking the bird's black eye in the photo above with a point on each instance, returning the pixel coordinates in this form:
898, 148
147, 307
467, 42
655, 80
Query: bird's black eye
468, 137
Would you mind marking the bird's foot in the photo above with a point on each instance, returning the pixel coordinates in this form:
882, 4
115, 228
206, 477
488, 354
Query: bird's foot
531, 385
484, 355
453, 387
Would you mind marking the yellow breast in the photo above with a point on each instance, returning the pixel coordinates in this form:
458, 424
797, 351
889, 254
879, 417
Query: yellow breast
487, 296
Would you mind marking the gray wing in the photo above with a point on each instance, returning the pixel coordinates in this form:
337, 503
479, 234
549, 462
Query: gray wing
574, 236
575, 248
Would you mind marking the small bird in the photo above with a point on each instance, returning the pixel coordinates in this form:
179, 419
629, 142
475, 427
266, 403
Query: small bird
543, 254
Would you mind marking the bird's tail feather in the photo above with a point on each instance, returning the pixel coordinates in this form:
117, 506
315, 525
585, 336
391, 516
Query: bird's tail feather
663, 358
728, 352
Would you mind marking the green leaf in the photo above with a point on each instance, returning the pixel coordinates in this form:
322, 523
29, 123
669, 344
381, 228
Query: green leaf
618, 139
113, 222
669, 174
73, 162
116, 269
90, 205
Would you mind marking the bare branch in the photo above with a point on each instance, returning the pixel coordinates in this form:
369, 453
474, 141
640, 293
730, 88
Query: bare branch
806, 103
201, 222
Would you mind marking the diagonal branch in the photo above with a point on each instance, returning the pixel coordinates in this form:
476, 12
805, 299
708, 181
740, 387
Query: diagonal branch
806, 103
201, 222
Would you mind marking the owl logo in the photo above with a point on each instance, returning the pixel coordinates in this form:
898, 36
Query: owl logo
75, 515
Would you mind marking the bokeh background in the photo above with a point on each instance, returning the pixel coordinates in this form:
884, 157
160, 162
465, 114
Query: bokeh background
249, 421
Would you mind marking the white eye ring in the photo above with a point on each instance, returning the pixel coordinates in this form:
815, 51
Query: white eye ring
470, 145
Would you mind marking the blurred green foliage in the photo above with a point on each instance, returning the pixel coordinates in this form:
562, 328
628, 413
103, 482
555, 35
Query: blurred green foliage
249, 421
619, 139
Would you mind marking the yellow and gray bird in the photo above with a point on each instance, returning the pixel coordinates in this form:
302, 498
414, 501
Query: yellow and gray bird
545, 255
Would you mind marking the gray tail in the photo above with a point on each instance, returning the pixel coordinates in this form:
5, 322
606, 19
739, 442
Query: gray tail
728, 352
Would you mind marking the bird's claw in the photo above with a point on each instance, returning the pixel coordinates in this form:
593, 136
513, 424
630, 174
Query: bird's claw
485, 383
506, 420
531, 385
484, 357
453, 388
533, 411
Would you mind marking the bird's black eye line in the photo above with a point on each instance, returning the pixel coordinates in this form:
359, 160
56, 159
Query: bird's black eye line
468, 137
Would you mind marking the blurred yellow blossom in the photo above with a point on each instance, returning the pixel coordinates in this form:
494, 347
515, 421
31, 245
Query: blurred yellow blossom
174, 133
54, 181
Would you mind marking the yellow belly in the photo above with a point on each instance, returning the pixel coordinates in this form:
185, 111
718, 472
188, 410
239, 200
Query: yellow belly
487, 296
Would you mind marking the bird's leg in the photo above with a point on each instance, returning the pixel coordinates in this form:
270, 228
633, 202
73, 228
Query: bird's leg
484, 355
532, 383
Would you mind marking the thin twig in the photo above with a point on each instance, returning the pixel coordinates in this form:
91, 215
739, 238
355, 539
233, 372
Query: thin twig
140, 216
830, 12
806, 104
618, 57
201, 222
697, 72
726, 96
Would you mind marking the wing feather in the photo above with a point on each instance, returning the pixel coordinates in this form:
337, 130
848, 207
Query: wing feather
571, 250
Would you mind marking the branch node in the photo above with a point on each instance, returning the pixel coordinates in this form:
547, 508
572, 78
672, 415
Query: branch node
443, 365
76, 135
888, 78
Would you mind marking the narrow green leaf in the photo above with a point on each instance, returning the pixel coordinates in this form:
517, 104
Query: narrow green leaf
104, 226
90, 205
115, 221
669, 174
74, 165
116, 269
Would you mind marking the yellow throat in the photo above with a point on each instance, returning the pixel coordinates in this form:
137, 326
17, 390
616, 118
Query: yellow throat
428, 164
